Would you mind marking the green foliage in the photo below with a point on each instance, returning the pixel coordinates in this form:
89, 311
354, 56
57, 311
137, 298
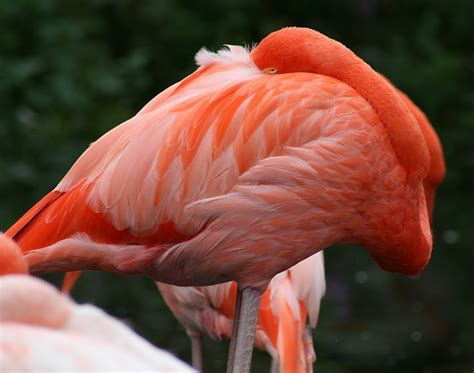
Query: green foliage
70, 71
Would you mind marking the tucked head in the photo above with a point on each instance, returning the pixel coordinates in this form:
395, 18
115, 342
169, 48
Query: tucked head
404, 247
285, 51
296, 49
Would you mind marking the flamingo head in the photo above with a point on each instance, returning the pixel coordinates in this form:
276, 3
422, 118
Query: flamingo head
397, 233
434, 177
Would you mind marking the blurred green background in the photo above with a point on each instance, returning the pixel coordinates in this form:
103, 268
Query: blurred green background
70, 71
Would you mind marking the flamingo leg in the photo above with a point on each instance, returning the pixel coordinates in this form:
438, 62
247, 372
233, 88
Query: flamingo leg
310, 354
275, 368
70, 279
196, 350
243, 331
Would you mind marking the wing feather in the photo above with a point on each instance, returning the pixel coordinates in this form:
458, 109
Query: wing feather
308, 280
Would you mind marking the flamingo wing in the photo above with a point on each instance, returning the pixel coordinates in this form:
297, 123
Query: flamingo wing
229, 146
191, 143
308, 279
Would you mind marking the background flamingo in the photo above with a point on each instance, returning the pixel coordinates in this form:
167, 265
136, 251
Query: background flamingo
11, 257
243, 169
292, 297
43, 330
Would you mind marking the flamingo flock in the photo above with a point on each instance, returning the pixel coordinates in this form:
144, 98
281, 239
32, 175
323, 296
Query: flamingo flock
226, 187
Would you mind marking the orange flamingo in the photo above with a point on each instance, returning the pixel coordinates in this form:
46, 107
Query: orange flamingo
43, 330
251, 164
292, 297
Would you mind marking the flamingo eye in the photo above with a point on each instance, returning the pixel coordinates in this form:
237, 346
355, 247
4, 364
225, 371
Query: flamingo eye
271, 70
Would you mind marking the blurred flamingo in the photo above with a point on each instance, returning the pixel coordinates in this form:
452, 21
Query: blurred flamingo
292, 297
42, 330
11, 258
251, 164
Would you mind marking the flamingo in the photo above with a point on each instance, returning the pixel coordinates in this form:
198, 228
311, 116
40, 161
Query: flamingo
41, 329
254, 162
291, 297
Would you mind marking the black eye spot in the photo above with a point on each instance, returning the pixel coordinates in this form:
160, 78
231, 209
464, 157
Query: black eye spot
271, 70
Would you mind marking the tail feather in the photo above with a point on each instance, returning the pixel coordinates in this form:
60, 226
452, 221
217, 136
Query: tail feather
289, 345
32, 213
283, 319
291, 335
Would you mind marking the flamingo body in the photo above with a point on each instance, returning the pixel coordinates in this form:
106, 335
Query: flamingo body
28, 348
230, 170
43, 330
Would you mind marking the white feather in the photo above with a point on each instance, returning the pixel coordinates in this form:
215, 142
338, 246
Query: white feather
228, 54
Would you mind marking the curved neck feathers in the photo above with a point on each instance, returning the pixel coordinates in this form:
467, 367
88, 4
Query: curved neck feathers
306, 50
331, 58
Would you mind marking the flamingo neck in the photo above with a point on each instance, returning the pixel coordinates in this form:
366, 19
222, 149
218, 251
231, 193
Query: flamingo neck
331, 58
305, 50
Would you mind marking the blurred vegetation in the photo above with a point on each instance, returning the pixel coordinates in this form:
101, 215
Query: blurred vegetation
70, 71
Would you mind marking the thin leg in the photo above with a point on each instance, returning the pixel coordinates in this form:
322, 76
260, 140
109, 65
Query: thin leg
70, 279
196, 350
275, 368
310, 355
235, 327
243, 331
